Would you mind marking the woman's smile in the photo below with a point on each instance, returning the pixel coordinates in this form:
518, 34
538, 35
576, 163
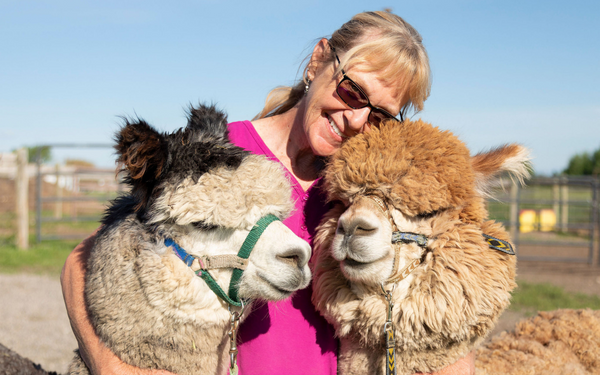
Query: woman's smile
335, 128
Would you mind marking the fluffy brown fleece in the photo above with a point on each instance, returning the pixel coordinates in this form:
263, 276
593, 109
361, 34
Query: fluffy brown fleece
417, 168
456, 295
560, 342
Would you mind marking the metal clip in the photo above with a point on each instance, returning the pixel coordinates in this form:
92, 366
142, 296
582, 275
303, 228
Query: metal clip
233, 351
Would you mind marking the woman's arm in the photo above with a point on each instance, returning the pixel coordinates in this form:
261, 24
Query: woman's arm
98, 358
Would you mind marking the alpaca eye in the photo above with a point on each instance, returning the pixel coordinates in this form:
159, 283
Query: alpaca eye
204, 226
427, 215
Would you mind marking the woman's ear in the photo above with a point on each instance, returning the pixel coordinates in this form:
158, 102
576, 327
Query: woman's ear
318, 56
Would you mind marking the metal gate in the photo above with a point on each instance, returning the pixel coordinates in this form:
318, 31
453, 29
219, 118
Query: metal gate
71, 200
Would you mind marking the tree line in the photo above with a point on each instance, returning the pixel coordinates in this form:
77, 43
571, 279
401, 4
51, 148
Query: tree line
584, 164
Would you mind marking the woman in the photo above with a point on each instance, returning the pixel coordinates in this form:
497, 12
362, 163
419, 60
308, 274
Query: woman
374, 67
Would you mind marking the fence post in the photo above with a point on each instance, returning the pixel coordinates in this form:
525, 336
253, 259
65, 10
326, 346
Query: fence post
22, 187
514, 210
58, 206
596, 219
556, 199
38, 195
564, 210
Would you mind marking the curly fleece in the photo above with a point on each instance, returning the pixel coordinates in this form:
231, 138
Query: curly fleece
414, 166
457, 294
553, 342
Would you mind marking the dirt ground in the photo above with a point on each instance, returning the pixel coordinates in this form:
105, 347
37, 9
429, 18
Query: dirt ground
573, 277
34, 323
33, 320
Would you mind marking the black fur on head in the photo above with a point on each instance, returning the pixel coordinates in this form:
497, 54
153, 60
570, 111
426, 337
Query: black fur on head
206, 122
143, 155
149, 157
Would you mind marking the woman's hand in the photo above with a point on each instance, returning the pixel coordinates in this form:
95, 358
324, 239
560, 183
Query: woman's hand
464, 366
98, 358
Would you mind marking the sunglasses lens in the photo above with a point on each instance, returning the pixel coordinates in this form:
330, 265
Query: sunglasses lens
376, 117
355, 98
352, 95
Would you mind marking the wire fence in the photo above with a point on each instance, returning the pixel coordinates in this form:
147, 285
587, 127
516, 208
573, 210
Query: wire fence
74, 208
551, 219
63, 201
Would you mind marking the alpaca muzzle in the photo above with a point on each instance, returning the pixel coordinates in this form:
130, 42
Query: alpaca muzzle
397, 238
201, 265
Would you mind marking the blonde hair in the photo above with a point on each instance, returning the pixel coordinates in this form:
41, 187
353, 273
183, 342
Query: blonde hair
379, 41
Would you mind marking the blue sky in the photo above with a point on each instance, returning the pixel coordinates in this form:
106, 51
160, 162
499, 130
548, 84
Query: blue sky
503, 71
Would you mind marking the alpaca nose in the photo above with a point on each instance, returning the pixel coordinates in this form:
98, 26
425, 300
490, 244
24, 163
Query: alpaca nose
359, 235
352, 224
295, 254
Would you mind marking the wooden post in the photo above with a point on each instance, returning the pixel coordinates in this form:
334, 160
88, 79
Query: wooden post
596, 221
22, 185
75, 190
564, 210
514, 210
556, 199
58, 206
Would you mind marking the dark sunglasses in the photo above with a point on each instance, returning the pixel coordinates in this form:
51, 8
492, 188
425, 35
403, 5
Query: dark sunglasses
355, 97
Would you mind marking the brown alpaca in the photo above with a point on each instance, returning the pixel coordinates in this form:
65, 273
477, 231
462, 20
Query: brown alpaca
448, 292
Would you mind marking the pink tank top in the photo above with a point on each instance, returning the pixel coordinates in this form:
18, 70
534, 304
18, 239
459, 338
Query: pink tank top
287, 337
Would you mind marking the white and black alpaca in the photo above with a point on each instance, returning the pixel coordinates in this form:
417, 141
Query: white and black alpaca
194, 199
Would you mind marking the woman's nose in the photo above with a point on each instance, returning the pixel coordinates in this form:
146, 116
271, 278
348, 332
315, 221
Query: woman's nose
358, 119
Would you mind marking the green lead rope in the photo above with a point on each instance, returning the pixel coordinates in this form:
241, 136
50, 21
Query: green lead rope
245, 251
231, 297
216, 288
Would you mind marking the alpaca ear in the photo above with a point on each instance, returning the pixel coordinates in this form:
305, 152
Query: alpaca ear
513, 158
142, 153
207, 123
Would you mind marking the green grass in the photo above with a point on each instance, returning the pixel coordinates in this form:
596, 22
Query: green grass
529, 298
46, 257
